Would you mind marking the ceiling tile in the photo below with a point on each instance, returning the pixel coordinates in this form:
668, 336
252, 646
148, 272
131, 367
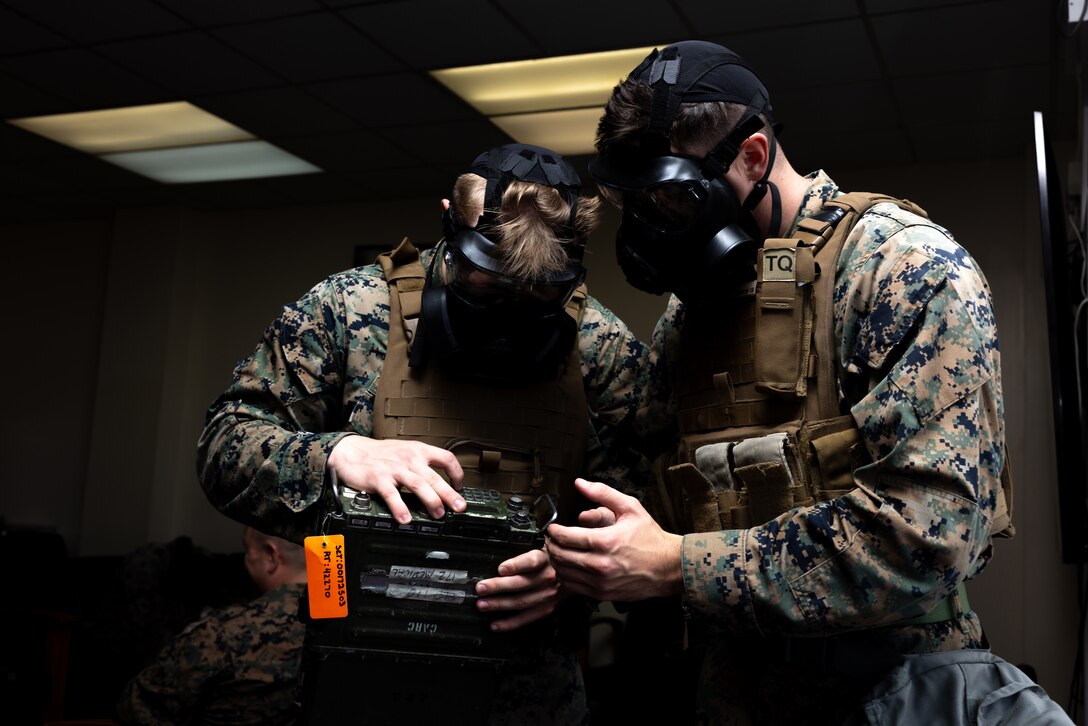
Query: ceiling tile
994, 139
316, 189
19, 99
439, 34
19, 34
811, 49
399, 98
310, 73
350, 151
963, 37
813, 111
84, 78
725, 17
309, 47
75, 173
190, 64
550, 24
90, 22
17, 144
229, 194
427, 181
456, 143
217, 12
274, 112
855, 150
952, 98
89, 173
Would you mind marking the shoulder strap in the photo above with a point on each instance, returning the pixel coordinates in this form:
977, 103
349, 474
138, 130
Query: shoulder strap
577, 305
833, 225
406, 277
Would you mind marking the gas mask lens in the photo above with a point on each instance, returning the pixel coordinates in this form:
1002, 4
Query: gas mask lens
486, 288
666, 193
668, 207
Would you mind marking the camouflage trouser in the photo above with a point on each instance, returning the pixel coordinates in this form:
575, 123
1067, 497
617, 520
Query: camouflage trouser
541, 686
811, 681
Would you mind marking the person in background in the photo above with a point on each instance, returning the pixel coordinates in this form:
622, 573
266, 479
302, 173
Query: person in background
237, 665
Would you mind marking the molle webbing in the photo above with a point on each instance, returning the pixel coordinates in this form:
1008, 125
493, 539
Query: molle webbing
518, 440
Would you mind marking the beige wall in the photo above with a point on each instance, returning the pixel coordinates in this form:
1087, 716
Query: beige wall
121, 334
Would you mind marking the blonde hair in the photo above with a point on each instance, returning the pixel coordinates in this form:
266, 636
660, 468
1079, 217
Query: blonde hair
534, 239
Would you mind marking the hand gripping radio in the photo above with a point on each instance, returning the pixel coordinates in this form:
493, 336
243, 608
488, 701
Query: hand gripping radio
411, 602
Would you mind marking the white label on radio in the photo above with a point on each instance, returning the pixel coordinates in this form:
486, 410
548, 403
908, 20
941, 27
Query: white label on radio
429, 574
424, 592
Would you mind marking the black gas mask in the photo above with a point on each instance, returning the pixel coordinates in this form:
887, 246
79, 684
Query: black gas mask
684, 230
477, 321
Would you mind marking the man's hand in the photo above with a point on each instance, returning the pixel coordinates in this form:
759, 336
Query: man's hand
526, 583
620, 552
383, 466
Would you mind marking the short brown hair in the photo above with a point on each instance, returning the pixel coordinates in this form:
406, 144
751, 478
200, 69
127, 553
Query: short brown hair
627, 115
532, 224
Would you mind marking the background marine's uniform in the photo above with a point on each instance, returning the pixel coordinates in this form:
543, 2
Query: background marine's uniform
238, 665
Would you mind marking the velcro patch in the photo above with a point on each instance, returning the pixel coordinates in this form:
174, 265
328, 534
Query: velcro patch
779, 265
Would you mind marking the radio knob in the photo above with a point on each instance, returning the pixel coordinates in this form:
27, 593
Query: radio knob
361, 501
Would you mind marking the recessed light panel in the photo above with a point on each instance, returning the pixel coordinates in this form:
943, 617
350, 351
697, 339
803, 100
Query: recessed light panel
212, 162
550, 102
134, 128
565, 132
547, 84
174, 143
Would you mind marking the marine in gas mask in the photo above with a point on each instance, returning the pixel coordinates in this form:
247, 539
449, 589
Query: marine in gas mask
480, 362
825, 378
494, 306
688, 209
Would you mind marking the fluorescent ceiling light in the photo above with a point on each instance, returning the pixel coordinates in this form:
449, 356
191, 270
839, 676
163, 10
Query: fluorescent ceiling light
212, 162
550, 102
564, 132
547, 84
134, 128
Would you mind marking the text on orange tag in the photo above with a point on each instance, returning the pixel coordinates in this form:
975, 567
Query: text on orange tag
326, 578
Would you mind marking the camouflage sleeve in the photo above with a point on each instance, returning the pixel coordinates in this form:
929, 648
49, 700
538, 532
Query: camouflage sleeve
655, 422
169, 690
915, 324
261, 458
613, 368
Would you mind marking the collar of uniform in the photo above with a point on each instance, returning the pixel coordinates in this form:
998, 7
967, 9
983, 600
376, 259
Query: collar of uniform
818, 193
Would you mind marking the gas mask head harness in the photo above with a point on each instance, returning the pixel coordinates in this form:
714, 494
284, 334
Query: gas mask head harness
477, 320
684, 230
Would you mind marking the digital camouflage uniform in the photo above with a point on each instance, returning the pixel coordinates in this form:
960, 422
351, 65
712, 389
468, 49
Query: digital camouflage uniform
238, 665
311, 381
919, 365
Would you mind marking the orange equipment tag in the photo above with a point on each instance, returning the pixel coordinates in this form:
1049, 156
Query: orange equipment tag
326, 578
